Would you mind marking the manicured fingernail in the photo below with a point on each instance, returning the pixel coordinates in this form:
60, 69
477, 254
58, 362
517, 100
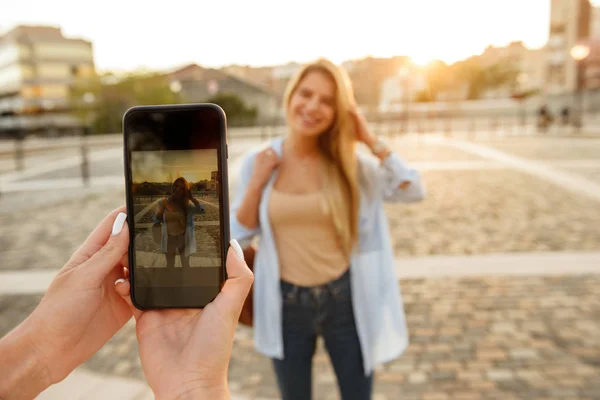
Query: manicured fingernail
237, 248
120, 280
118, 224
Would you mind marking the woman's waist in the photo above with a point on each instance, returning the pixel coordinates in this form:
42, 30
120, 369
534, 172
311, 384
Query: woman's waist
334, 285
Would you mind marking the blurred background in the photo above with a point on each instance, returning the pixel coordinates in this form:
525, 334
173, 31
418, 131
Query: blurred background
497, 103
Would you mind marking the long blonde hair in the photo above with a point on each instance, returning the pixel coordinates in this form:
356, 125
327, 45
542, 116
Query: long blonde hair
337, 144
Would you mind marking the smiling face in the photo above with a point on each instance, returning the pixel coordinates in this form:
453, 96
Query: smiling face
311, 110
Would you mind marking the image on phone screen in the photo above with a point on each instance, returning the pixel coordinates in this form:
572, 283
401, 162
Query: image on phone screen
175, 169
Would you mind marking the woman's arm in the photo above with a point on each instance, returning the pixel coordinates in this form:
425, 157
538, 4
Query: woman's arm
195, 207
247, 211
22, 373
394, 178
161, 210
400, 182
244, 214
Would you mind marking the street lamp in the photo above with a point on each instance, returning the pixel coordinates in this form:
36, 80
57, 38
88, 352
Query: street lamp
579, 53
175, 87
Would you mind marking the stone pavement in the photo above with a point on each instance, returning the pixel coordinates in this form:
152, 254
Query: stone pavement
473, 335
493, 337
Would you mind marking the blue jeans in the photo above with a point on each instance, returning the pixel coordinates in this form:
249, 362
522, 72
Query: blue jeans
320, 310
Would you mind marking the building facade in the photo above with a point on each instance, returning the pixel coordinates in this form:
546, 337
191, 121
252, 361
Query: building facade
570, 22
530, 65
595, 23
38, 66
198, 84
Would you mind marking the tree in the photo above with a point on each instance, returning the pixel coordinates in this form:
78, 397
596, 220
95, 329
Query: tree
481, 78
439, 79
113, 96
238, 113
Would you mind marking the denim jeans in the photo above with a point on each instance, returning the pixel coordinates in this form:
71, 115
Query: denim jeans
320, 310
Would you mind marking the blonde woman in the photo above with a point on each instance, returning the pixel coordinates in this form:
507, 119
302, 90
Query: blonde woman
177, 217
325, 265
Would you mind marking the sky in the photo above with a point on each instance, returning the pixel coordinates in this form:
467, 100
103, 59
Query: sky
166, 166
131, 34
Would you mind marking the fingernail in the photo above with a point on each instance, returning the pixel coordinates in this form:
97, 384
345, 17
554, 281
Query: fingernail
120, 280
237, 248
118, 224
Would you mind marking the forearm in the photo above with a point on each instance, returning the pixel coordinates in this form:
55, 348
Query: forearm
221, 393
382, 155
23, 375
247, 213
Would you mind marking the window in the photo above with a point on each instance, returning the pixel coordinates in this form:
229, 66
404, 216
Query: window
53, 70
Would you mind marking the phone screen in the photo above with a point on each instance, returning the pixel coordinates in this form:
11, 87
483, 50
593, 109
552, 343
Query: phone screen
176, 173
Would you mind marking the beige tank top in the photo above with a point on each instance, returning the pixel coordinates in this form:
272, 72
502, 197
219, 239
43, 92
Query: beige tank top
175, 222
307, 243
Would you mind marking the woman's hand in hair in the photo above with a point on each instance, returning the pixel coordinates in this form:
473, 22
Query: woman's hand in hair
364, 135
362, 129
266, 161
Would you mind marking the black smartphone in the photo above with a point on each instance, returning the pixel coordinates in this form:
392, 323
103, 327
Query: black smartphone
177, 204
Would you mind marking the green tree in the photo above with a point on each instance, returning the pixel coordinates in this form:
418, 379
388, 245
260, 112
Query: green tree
238, 113
482, 78
113, 96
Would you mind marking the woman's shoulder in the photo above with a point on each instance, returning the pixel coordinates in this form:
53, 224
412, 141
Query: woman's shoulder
247, 160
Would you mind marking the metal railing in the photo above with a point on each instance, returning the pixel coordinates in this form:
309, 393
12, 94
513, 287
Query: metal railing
383, 125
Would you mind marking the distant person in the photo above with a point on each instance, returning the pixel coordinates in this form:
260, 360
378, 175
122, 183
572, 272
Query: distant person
544, 119
565, 113
184, 353
176, 212
325, 263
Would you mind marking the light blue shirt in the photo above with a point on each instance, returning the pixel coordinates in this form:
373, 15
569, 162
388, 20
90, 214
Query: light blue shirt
377, 304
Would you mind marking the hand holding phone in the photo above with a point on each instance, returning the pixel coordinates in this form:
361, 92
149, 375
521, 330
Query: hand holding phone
172, 155
192, 345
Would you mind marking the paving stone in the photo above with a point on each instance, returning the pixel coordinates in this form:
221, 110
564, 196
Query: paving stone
391, 377
523, 353
448, 365
496, 354
524, 208
443, 375
435, 396
542, 334
417, 377
466, 395
500, 375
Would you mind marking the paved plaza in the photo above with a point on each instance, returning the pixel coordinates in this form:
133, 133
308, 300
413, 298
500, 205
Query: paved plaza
508, 330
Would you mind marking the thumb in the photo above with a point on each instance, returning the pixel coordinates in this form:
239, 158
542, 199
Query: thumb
109, 255
122, 287
237, 286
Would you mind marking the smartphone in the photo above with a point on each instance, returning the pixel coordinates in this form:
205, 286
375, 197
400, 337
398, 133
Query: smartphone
177, 204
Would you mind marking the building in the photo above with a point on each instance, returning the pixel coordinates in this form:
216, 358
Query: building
400, 89
38, 66
212, 184
595, 23
530, 65
261, 76
198, 84
286, 71
570, 22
